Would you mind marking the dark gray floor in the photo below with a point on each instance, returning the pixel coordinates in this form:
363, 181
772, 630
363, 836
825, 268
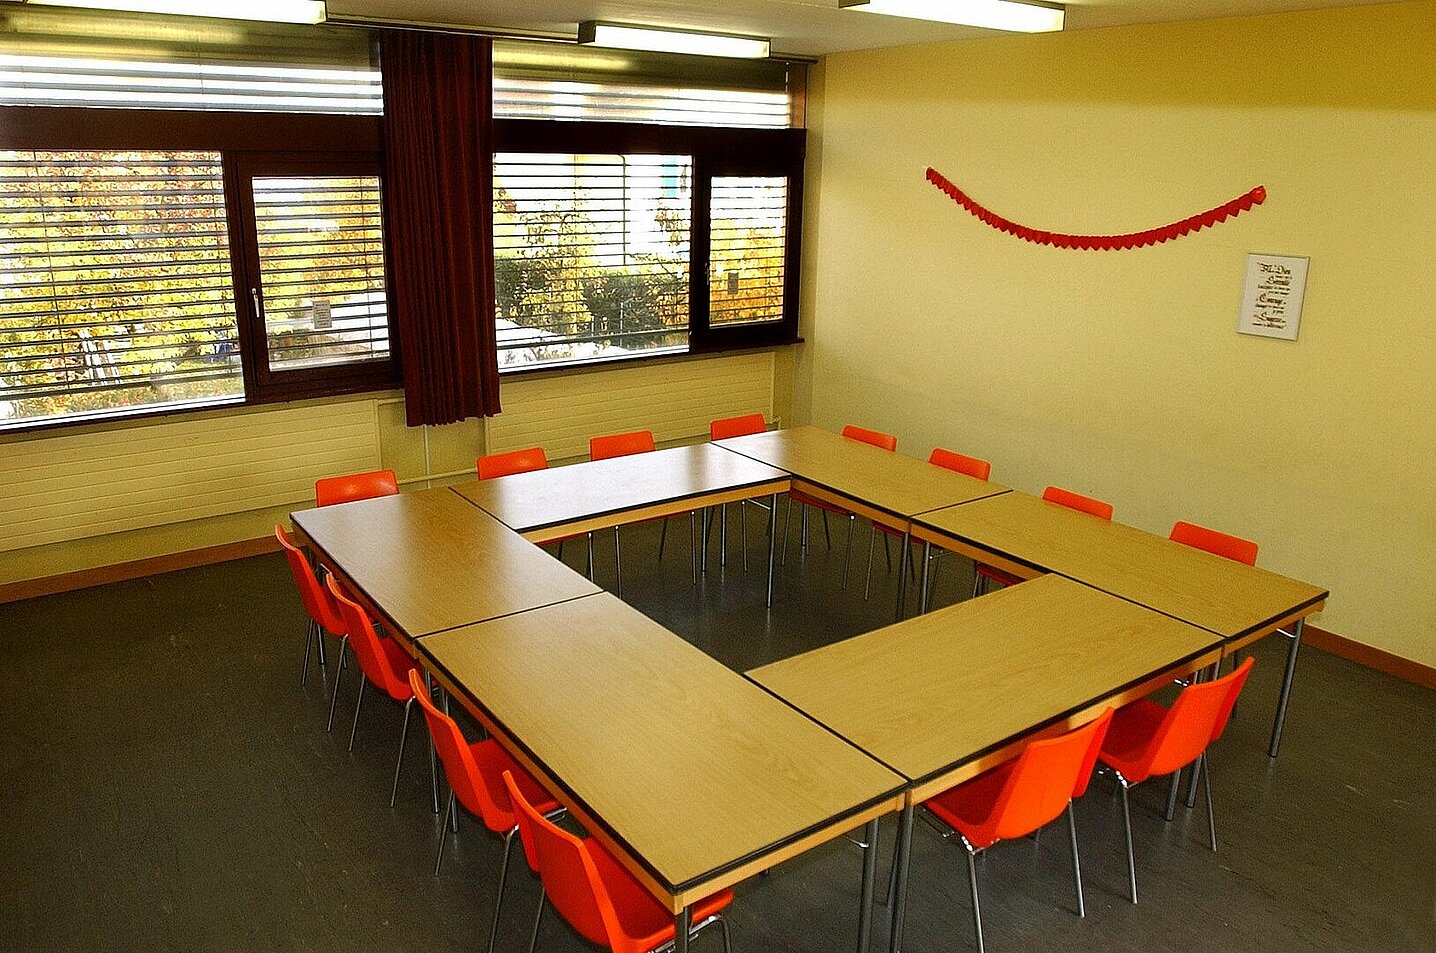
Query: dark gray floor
168, 786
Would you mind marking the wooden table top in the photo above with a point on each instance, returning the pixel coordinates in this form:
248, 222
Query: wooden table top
689, 768
431, 561
563, 496
939, 691
893, 482
1227, 597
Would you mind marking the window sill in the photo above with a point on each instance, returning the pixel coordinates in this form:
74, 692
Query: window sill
655, 356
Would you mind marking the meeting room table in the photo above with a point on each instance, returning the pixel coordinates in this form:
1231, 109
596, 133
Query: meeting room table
693, 777
942, 697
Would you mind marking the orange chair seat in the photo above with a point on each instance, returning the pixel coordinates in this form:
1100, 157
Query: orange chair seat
997, 575
645, 921
798, 496
1130, 736
493, 761
967, 808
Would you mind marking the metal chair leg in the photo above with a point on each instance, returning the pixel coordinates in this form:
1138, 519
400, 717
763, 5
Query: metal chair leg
399, 763
308, 642
1076, 860
499, 893
538, 918
1206, 768
338, 674
1127, 824
787, 526
444, 833
976, 582
803, 530
358, 704
848, 549
723, 929
887, 552
827, 533
872, 540
1173, 789
662, 538
976, 907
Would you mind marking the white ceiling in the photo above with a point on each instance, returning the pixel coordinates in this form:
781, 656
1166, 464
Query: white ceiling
804, 27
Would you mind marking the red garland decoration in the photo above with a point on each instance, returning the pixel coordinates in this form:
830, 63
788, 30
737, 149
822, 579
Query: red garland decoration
1100, 242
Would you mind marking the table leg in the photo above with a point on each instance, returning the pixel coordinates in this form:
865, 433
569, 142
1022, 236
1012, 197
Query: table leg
870, 869
926, 574
681, 925
723, 535
433, 756
772, 542
900, 863
902, 575
1286, 687
1205, 675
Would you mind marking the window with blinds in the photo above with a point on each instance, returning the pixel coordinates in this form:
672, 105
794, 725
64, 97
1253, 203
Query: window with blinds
748, 217
116, 289
321, 267
591, 255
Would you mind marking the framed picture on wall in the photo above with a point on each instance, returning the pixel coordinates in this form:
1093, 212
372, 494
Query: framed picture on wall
1272, 296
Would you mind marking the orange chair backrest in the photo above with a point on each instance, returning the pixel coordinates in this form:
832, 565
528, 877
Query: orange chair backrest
1222, 544
482, 795
1048, 774
737, 426
1076, 501
355, 486
969, 466
877, 438
373, 660
570, 878
620, 444
1195, 720
316, 601
515, 461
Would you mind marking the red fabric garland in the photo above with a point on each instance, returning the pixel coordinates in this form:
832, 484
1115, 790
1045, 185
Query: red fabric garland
1100, 242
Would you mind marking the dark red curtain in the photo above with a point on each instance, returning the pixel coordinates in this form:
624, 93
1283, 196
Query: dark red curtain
438, 188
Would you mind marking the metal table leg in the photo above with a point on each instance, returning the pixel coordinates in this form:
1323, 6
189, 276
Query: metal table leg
870, 869
926, 575
681, 925
902, 575
772, 542
1286, 687
900, 860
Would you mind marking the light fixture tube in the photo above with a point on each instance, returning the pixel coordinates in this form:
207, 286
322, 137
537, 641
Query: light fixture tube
1012, 15
626, 37
276, 11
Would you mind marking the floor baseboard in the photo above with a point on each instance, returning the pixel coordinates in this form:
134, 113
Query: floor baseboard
1379, 659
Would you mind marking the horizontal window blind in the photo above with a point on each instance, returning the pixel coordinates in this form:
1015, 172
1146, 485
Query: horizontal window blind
551, 81
321, 261
115, 282
748, 220
591, 254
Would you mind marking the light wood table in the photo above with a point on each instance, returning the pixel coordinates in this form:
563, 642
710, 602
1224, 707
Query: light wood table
1026, 535
886, 488
551, 504
691, 775
426, 561
942, 697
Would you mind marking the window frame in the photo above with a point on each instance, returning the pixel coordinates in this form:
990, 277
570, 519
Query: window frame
309, 139
716, 151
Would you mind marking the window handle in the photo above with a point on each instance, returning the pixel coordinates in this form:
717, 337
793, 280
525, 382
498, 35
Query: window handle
254, 296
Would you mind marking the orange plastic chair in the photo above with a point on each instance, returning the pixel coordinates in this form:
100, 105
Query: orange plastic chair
355, 486
1147, 740
323, 613
595, 894
475, 771
974, 467
741, 426
1021, 796
1053, 494
515, 461
876, 438
622, 445
1221, 544
382, 662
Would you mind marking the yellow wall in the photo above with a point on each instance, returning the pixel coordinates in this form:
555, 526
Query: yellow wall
1121, 374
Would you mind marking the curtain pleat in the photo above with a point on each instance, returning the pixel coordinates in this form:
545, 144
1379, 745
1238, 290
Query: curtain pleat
438, 185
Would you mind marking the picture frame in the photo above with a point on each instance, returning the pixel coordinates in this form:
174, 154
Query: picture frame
1272, 296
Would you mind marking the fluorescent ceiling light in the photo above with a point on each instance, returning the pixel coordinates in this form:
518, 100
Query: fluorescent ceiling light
1012, 15
278, 11
626, 37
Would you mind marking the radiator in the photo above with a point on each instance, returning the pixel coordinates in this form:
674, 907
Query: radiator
676, 401
70, 486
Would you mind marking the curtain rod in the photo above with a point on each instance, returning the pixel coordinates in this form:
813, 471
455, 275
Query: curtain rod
467, 29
